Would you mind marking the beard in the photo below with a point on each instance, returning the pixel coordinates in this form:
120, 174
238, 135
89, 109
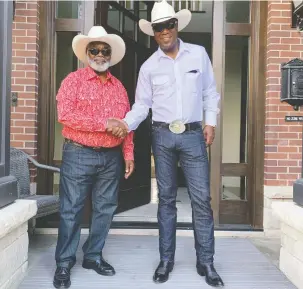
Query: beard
99, 67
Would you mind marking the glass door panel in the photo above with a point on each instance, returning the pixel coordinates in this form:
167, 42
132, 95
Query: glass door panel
66, 62
235, 109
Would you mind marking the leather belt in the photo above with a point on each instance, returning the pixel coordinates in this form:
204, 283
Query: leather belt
98, 149
188, 126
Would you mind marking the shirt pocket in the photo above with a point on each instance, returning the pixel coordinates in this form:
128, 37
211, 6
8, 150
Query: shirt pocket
192, 80
161, 85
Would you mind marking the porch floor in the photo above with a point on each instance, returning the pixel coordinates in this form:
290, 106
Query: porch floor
238, 261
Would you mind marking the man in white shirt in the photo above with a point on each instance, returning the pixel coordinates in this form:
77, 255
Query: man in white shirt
178, 84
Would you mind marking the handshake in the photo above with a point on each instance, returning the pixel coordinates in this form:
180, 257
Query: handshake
117, 127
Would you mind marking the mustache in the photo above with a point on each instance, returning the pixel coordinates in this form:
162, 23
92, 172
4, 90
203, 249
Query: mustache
98, 66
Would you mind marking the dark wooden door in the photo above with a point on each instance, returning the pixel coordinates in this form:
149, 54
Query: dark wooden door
122, 19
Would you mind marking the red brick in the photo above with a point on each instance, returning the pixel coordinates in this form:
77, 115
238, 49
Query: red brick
26, 26
286, 14
27, 67
295, 170
18, 74
18, 60
295, 142
270, 162
31, 19
273, 67
288, 135
31, 46
17, 115
17, 144
17, 88
19, 19
19, 32
278, 34
26, 12
31, 130
26, 53
18, 46
24, 137
295, 156
273, 121
32, 74
274, 14
32, 33
295, 128
275, 156
30, 116
287, 163
30, 103
26, 109
288, 149
25, 39
287, 176
30, 88
290, 54
275, 182
276, 169
276, 128
14, 130
282, 6
27, 81
25, 123
30, 144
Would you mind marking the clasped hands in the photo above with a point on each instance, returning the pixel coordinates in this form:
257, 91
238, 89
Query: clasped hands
117, 127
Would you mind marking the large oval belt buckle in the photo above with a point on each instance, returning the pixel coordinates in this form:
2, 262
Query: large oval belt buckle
177, 127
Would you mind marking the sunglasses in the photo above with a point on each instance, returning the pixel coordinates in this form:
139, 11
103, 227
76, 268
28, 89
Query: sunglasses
159, 27
104, 51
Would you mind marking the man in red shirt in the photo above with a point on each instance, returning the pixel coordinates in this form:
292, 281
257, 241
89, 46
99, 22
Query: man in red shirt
90, 103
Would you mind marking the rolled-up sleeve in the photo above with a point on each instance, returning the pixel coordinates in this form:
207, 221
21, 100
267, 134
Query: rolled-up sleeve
210, 95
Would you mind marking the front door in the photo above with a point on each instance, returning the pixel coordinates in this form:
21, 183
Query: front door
232, 33
61, 21
122, 18
237, 153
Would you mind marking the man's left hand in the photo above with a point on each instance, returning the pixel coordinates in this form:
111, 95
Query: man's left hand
129, 168
209, 134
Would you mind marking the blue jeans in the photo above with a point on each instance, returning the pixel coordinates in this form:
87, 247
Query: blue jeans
189, 148
83, 172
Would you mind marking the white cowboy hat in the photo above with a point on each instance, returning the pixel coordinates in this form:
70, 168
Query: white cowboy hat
98, 33
161, 12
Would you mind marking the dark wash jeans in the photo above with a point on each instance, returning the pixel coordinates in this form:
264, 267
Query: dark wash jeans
189, 148
83, 172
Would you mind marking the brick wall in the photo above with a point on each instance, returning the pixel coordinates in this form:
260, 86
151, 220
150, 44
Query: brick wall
282, 140
25, 76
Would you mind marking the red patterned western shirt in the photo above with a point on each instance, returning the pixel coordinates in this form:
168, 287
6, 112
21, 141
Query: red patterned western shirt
85, 103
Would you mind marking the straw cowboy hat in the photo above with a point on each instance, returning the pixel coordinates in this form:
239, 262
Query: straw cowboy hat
98, 33
161, 12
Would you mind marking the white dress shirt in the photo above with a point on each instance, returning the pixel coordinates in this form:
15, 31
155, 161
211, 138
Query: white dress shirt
183, 88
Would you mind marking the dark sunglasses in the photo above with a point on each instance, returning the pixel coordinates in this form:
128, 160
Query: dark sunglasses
159, 27
104, 51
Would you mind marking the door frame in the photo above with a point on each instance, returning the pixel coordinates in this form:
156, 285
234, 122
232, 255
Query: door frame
254, 168
47, 70
257, 31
